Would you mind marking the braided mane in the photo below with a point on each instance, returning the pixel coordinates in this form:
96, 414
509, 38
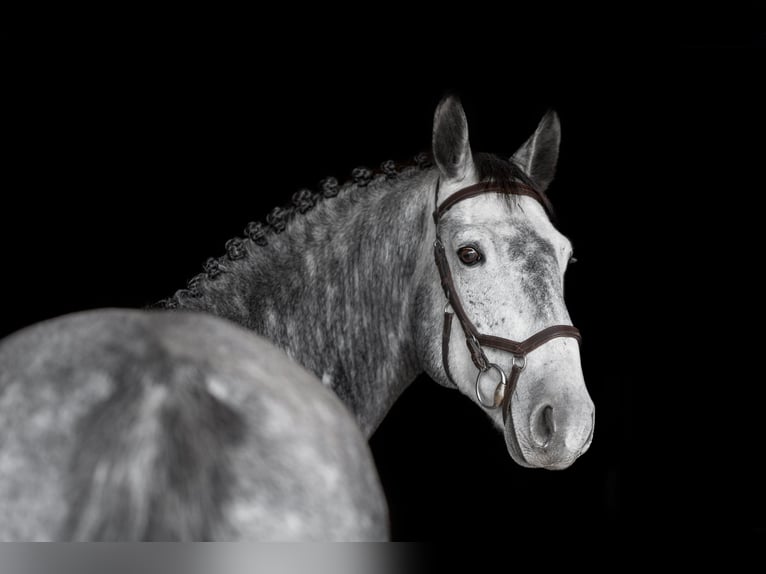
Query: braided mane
302, 201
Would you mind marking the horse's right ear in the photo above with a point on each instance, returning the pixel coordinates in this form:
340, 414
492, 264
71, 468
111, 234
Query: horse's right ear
452, 151
540, 153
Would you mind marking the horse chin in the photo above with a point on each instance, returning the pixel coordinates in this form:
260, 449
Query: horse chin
512, 442
518, 457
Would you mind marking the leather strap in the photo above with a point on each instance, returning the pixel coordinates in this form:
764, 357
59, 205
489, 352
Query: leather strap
518, 188
513, 378
533, 342
472, 334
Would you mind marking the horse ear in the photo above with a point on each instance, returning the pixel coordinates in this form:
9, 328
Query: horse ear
452, 151
539, 155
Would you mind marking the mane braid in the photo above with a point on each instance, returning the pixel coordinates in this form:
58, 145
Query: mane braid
302, 201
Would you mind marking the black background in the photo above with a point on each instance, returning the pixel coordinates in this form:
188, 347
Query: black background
130, 165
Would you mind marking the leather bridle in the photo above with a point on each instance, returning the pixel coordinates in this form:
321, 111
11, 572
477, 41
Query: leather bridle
474, 340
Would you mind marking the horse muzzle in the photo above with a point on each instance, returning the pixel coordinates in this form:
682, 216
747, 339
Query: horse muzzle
551, 434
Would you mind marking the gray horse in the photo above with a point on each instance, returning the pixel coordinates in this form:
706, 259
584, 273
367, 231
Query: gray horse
240, 409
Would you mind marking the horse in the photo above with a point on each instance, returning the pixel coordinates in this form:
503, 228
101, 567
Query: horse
239, 408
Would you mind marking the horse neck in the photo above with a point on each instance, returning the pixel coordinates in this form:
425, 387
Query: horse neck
336, 289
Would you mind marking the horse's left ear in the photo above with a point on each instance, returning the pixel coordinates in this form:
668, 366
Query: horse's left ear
539, 155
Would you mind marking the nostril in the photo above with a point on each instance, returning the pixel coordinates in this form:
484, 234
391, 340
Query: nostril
543, 426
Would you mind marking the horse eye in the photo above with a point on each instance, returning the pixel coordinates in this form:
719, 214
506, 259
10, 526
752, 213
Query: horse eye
469, 255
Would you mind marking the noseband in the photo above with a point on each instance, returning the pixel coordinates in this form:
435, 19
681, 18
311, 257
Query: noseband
477, 341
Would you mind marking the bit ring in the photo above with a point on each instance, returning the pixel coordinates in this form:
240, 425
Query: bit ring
497, 399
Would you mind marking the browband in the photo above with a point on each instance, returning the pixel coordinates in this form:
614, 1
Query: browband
517, 188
